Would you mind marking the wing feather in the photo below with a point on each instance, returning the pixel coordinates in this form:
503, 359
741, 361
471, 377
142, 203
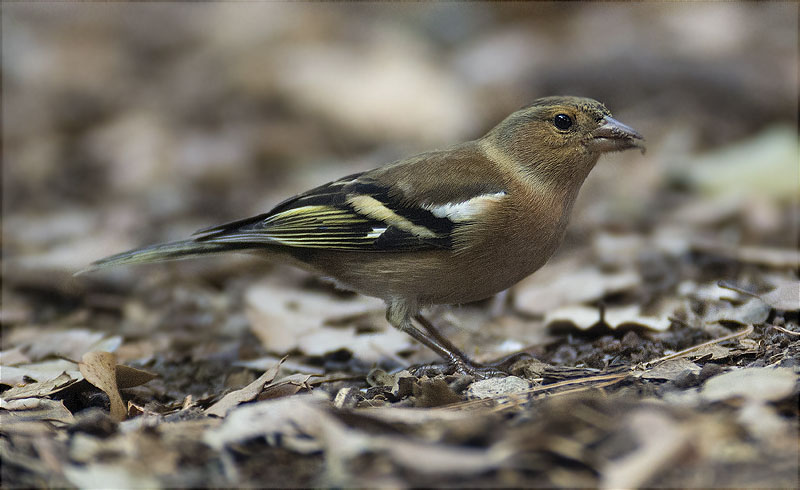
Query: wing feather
357, 212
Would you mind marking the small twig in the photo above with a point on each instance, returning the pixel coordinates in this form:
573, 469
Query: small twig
683, 352
785, 330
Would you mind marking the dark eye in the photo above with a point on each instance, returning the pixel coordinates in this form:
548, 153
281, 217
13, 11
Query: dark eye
562, 121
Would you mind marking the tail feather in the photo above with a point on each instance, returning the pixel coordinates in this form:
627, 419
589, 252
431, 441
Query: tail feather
184, 249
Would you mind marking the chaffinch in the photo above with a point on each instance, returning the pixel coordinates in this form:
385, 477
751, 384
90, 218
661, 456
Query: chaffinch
442, 227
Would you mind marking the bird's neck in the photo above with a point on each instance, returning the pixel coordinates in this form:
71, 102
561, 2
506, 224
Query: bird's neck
560, 181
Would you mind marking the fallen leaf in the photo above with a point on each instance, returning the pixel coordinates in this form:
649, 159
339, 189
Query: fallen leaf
751, 312
295, 419
99, 369
569, 283
11, 357
495, 387
41, 389
669, 370
287, 319
246, 394
763, 384
266, 362
70, 344
660, 443
786, 297
102, 475
584, 317
128, 377
42, 371
290, 385
37, 409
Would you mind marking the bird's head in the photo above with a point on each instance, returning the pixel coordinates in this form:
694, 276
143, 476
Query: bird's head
563, 136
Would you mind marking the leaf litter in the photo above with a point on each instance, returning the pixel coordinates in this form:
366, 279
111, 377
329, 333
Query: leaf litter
662, 340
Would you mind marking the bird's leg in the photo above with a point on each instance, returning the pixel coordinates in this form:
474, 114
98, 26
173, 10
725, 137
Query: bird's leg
465, 364
399, 316
458, 359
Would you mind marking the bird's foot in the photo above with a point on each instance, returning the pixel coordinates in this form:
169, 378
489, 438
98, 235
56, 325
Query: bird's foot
498, 368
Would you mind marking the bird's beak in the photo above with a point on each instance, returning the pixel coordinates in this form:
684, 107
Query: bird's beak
612, 135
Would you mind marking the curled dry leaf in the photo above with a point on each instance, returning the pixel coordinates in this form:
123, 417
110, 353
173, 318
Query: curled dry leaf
100, 369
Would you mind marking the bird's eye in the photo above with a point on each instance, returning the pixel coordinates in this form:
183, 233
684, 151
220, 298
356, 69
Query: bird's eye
562, 121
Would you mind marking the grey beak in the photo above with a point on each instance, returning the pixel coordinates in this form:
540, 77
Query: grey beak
612, 135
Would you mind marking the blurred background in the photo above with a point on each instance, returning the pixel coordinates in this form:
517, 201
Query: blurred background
128, 124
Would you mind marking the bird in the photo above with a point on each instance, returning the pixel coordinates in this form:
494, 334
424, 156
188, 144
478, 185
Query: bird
448, 226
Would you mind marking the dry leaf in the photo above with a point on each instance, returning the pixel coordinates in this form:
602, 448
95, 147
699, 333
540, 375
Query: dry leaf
763, 384
128, 377
751, 312
293, 418
266, 362
290, 385
786, 297
70, 344
37, 409
42, 371
246, 394
101, 475
287, 319
669, 370
495, 387
11, 357
99, 369
43, 388
569, 283
661, 442
584, 317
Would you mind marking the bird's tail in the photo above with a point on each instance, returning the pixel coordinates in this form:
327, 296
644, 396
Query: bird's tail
184, 249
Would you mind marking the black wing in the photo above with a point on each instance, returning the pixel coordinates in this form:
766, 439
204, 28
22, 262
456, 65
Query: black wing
352, 213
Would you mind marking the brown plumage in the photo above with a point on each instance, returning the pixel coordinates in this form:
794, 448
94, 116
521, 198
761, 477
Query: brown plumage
442, 227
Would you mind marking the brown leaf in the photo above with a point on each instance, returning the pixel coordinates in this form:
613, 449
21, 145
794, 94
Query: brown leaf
37, 409
246, 394
99, 369
290, 385
41, 389
128, 377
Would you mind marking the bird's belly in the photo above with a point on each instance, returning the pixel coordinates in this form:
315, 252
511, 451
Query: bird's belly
435, 277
